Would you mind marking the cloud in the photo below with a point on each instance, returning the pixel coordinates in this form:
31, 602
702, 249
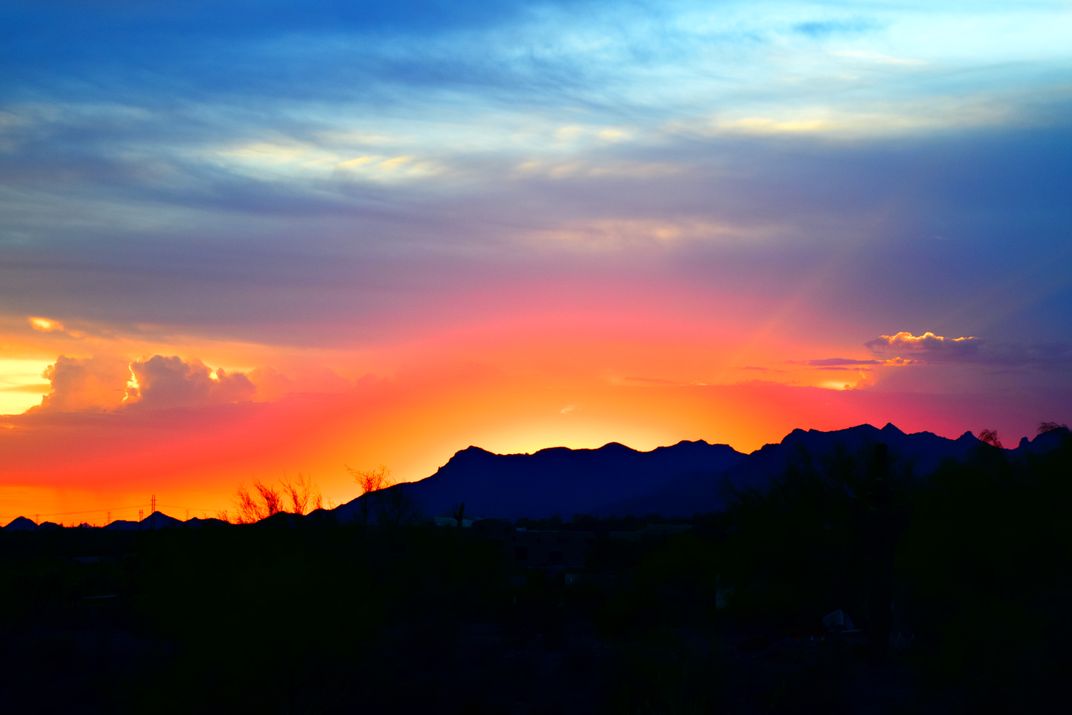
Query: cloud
928, 347
937, 349
167, 382
85, 384
102, 384
159, 172
821, 29
45, 325
840, 362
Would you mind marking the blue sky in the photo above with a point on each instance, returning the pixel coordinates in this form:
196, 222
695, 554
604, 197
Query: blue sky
239, 238
319, 174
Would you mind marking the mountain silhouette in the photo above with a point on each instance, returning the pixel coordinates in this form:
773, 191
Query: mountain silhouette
680, 480
20, 523
555, 481
155, 521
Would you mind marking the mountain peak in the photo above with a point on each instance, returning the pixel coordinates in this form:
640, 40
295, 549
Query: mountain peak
864, 428
20, 523
473, 449
471, 452
693, 443
159, 520
615, 447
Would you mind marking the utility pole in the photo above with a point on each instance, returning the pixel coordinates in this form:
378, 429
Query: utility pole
108, 519
141, 512
153, 509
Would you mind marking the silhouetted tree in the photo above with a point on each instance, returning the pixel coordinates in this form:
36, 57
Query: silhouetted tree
983, 574
302, 495
259, 503
824, 536
369, 481
264, 500
1045, 427
990, 436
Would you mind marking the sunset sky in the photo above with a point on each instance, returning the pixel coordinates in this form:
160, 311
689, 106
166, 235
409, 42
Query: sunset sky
246, 240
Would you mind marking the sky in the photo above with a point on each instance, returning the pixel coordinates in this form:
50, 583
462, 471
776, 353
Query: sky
250, 240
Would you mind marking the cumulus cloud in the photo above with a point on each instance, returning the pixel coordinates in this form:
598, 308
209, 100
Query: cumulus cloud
926, 347
85, 384
165, 382
159, 382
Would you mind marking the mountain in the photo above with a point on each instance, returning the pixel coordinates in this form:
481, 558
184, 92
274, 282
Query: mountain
918, 454
156, 520
680, 480
552, 481
159, 520
122, 525
1046, 441
202, 523
21, 523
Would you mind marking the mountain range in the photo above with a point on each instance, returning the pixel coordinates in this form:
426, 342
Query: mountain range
680, 480
614, 480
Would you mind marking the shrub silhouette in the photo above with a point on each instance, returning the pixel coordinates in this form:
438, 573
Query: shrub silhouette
297, 496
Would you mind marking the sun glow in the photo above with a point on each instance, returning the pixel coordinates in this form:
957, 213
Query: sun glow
133, 388
21, 385
45, 325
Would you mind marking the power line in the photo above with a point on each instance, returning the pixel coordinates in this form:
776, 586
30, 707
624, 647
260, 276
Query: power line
39, 514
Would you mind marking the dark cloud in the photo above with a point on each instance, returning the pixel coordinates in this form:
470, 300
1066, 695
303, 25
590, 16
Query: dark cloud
111, 184
166, 251
927, 347
937, 349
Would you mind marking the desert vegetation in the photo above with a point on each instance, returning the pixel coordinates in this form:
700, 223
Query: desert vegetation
851, 584
261, 501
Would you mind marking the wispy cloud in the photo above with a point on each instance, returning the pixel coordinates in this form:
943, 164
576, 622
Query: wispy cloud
822, 29
841, 362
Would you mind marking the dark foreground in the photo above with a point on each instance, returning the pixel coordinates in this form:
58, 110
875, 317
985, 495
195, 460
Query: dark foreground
849, 587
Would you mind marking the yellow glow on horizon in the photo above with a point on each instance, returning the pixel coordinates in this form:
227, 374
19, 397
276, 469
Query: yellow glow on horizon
21, 384
839, 385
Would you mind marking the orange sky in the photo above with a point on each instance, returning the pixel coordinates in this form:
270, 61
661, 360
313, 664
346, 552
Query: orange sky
374, 238
509, 384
